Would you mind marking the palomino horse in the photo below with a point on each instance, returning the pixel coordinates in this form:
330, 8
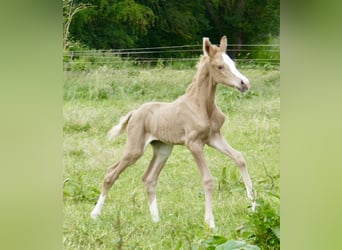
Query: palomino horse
192, 120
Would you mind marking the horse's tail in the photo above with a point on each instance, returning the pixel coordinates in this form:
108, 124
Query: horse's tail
120, 128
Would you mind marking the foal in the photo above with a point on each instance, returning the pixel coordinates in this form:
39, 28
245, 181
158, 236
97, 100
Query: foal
192, 120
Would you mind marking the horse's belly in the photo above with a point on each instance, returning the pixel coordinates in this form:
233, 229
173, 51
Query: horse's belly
167, 131
160, 123
169, 134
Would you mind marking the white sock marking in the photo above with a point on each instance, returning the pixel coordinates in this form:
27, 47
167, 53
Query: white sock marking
154, 210
97, 209
249, 194
211, 223
254, 205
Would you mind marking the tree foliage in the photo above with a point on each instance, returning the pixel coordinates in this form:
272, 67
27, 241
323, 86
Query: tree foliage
69, 11
113, 24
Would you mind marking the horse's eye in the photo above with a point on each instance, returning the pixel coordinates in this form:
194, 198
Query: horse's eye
220, 67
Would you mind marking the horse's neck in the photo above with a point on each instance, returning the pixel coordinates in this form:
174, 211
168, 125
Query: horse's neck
203, 89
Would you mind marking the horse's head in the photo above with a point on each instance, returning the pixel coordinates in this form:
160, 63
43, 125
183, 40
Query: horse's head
222, 67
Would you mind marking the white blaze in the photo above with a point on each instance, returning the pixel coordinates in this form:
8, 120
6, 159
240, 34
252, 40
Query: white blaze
227, 60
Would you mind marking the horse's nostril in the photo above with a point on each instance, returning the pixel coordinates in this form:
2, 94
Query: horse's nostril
242, 83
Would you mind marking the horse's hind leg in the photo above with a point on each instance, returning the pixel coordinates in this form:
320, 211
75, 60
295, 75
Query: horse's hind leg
132, 153
161, 153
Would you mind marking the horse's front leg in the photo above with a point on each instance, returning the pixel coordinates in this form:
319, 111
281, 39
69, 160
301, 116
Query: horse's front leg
219, 143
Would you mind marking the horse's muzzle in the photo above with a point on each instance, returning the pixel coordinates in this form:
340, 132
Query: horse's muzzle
244, 86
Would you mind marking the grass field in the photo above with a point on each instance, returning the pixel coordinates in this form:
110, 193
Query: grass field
94, 101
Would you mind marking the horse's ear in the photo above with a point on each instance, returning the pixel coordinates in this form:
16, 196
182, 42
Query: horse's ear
207, 47
223, 44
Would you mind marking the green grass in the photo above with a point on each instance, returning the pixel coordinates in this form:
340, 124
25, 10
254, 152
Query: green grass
94, 102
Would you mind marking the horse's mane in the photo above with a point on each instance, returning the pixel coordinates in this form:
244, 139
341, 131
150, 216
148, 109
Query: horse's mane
199, 66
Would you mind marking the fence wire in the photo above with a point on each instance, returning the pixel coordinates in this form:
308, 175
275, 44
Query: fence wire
245, 53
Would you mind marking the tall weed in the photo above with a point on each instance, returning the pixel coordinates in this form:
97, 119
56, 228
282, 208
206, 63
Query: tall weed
263, 226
